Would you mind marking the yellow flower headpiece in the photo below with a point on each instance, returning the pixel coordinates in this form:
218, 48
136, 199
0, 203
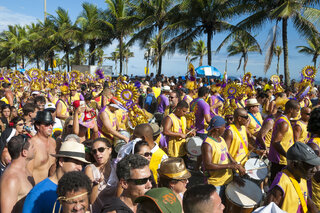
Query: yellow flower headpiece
276, 84
73, 85
309, 73
74, 75
128, 94
34, 73
35, 86
246, 78
232, 91
64, 89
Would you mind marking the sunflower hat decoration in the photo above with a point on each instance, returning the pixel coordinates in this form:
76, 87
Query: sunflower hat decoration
247, 85
276, 83
191, 82
128, 94
308, 74
230, 93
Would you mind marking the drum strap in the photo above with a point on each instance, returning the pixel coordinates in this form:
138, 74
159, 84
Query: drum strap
258, 122
235, 129
298, 190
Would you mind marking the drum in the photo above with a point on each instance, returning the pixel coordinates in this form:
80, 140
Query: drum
242, 199
193, 146
118, 143
256, 169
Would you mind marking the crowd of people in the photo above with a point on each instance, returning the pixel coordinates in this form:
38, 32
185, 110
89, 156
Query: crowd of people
76, 142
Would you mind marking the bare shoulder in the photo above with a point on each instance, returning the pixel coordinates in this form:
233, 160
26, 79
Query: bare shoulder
10, 177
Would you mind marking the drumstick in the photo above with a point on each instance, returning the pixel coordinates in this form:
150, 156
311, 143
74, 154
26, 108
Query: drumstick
256, 168
190, 131
246, 155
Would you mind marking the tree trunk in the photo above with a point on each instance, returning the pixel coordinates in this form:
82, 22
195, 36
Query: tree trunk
22, 56
200, 61
285, 51
315, 63
15, 61
278, 65
159, 55
127, 61
68, 65
120, 43
209, 37
92, 53
38, 63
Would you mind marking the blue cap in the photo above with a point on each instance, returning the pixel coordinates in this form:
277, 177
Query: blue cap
216, 122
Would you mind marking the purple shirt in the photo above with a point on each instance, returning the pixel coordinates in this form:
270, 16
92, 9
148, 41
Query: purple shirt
200, 108
163, 102
274, 156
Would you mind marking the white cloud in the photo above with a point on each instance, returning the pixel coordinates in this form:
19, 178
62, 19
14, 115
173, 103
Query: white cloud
9, 17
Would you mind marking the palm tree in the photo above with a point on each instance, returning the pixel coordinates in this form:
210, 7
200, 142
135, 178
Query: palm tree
281, 10
155, 15
16, 41
93, 28
198, 50
65, 33
278, 52
120, 19
204, 17
243, 45
127, 54
114, 57
313, 49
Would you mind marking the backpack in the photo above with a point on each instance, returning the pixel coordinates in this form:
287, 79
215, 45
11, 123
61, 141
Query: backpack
154, 105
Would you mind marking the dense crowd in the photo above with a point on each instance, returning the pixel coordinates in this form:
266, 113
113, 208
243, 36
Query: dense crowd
76, 142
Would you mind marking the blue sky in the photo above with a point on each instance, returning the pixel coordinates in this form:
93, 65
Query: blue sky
28, 11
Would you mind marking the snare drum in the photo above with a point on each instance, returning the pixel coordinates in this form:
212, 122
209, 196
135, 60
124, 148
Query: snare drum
193, 146
118, 143
256, 169
242, 199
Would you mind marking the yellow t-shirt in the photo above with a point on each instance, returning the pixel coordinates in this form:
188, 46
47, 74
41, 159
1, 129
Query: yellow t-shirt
239, 144
314, 184
219, 156
156, 91
155, 162
122, 117
291, 201
176, 147
254, 127
304, 136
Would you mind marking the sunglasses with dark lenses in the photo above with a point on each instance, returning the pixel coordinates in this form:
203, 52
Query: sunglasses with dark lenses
244, 116
147, 154
307, 113
141, 181
22, 124
100, 149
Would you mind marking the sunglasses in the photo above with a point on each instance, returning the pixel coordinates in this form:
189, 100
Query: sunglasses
244, 116
307, 113
141, 181
172, 97
22, 124
147, 154
70, 126
25, 140
100, 149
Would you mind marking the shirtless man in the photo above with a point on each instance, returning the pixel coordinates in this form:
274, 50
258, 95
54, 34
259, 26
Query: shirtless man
8, 99
17, 180
45, 145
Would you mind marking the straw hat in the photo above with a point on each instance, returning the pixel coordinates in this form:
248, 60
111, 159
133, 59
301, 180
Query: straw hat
252, 102
174, 168
72, 149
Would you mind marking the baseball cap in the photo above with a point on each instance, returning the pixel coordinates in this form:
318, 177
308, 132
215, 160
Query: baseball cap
302, 152
166, 88
164, 198
49, 106
216, 122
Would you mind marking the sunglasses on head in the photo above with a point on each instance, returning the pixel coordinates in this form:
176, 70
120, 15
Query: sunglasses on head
141, 181
100, 149
147, 154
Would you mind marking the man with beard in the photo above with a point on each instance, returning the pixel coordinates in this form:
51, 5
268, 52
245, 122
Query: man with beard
173, 100
289, 189
45, 145
300, 132
17, 181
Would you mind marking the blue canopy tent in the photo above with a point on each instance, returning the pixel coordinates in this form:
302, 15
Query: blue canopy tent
208, 71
